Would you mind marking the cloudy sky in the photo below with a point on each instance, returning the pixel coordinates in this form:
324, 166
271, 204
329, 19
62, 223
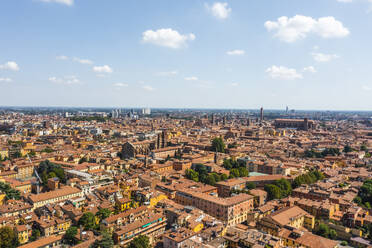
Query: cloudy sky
307, 54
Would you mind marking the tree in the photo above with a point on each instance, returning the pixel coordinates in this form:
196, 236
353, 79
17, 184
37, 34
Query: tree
216, 176
141, 241
323, 230
273, 191
17, 154
70, 234
46, 168
47, 150
332, 234
250, 185
308, 178
347, 149
35, 234
210, 180
243, 172
83, 160
284, 186
192, 175
10, 193
103, 213
227, 164
218, 145
201, 169
234, 173
32, 154
8, 237
365, 194
52, 175
358, 200
105, 242
88, 221
363, 148
224, 177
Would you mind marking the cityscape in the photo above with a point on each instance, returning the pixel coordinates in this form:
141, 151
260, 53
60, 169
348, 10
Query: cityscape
185, 124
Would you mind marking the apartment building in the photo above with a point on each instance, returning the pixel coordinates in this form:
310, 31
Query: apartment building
58, 195
232, 210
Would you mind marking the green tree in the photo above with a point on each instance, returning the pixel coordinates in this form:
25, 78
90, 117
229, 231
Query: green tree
32, 154
192, 175
250, 185
358, 200
234, 173
8, 238
88, 221
210, 180
365, 194
47, 150
218, 145
35, 234
344, 243
224, 177
363, 148
227, 164
10, 193
347, 149
323, 230
83, 160
103, 213
284, 186
216, 176
52, 175
141, 241
46, 167
70, 234
105, 242
332, 234
243, 172
273, 191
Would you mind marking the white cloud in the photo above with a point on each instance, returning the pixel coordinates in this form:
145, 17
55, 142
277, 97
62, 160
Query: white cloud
148, 88
204, 84
322, 57
298, 27
121, 85
64, 80
367, 88
329, 27
103, 69
167, 73
62, 57
192, 78
10, 65
65, 2
345, 1
234, 84
219, 10
235, 52
282, 72
167, 37
7, 80
309, 69
83, 61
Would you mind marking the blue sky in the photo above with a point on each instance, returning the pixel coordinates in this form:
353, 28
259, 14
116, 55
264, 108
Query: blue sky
307, 54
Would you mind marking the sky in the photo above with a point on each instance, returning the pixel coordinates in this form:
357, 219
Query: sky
241, 54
